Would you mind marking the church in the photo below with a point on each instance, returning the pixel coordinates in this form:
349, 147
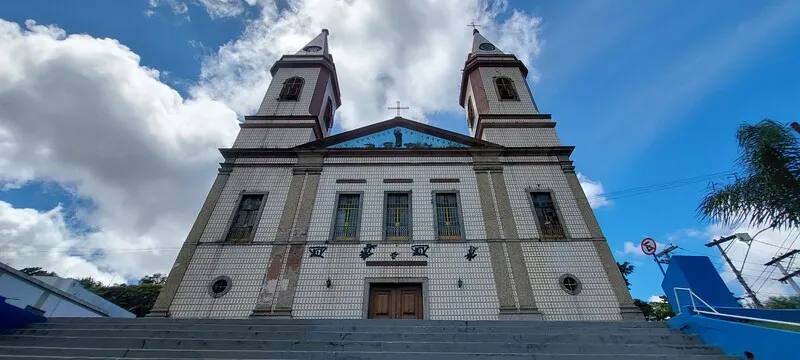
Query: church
398, 219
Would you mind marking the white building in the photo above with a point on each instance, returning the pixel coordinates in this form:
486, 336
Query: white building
397, 219
52, 296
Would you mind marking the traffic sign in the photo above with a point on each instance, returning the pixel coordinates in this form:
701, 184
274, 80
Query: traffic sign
648, 246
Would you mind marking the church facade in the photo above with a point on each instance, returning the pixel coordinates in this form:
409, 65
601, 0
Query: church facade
397, 219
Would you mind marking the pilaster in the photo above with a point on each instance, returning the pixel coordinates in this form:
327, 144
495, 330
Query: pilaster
280, 281
170, 288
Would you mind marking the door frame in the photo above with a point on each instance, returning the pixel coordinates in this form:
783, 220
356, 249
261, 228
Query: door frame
394, 280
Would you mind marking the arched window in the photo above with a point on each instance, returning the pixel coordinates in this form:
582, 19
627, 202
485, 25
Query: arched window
291, 89
505, 89
329, 114
470, 112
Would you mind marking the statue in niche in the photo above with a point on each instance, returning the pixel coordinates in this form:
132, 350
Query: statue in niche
398, 138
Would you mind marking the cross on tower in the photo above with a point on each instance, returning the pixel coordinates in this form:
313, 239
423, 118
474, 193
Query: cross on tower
474, 26
398, 108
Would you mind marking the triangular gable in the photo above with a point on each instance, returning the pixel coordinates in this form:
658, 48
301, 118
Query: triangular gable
398, 133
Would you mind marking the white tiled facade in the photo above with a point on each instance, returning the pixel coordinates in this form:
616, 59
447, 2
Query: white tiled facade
273, 137
496, 106
521, 137
507, 182
271, 106
547, 261
373, 193
272, 181
475, 300
521, 180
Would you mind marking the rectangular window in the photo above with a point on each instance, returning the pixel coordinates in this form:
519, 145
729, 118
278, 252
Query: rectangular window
398, 216
246, 218
346, 221
547, 216
448, 221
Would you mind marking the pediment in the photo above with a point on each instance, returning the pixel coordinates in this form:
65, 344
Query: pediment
398, 133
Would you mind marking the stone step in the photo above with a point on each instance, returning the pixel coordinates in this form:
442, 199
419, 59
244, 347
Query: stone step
374, 346
557, 337
365, 328
367, 322
28, 353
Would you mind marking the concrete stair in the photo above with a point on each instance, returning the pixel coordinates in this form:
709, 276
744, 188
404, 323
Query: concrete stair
155, 338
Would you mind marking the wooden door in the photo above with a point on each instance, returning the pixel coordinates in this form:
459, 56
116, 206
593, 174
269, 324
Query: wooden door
395, 301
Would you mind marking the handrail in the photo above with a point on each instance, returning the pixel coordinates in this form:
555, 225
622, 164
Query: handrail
714, 311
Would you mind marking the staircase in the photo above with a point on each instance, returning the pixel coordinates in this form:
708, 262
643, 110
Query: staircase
155, 338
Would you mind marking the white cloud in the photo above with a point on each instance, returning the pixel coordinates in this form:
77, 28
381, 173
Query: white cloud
227, 8
594, 192
384, 51
655, 299
82, 112
175, 6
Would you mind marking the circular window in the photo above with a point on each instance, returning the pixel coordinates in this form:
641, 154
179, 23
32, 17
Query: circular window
219, 286
487, 47
570, 284
312, 48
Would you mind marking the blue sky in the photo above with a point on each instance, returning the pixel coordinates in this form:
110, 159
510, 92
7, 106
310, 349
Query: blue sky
648, 92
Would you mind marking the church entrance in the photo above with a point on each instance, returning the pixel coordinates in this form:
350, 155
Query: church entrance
395, 301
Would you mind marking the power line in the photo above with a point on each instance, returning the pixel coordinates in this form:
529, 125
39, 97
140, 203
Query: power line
660, 186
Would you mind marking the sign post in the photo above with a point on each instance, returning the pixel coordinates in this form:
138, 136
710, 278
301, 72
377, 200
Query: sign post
649, 247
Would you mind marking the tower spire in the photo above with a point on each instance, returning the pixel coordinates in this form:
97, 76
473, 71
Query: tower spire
482, 46
317, 46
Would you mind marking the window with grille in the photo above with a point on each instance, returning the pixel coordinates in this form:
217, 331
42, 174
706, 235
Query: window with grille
291, 89
346, 222
246, 218
470, 112
547, 215
448, 221
505, 89
329, 114
398, 216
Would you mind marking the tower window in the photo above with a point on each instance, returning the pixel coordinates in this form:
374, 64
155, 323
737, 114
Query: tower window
329, 114
470, 113
291, 89
398, 216
505, 89
448, 217
347, 217
547, 215
246, 218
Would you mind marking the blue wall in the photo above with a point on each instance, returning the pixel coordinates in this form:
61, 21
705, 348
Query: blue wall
12, 317
734, 338
698, 274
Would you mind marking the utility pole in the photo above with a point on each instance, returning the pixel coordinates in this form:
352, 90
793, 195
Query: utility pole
736, 271
663, 257
786, 276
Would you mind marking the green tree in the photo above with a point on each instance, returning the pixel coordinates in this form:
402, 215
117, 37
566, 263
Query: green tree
661, 309
783, 302
626, 269
645, 307
37, 271
766, 191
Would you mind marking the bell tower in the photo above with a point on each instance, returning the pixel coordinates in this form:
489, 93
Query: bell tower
498, 102
300, 103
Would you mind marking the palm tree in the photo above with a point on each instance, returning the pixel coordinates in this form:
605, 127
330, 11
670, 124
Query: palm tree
767, 193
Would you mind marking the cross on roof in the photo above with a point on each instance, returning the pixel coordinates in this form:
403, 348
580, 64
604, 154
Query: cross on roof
474, 26
398, 108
